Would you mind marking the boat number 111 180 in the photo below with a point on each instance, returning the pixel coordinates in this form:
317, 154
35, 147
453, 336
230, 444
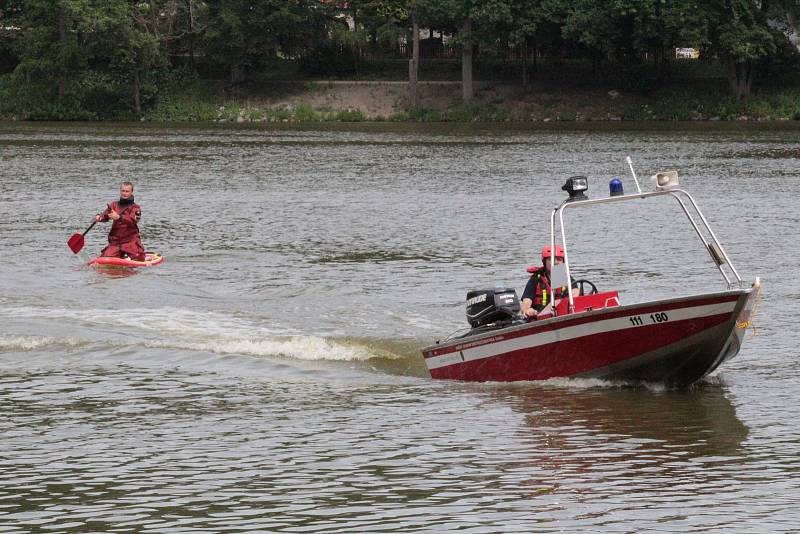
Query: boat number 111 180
639, 320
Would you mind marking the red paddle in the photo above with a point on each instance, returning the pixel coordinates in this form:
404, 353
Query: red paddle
75, 242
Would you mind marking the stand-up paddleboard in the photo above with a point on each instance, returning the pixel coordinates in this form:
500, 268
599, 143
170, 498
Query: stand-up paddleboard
150, 259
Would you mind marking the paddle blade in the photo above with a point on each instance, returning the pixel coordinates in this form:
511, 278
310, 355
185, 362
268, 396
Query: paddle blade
75, 243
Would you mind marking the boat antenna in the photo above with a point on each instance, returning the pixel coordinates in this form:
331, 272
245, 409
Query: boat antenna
633, 173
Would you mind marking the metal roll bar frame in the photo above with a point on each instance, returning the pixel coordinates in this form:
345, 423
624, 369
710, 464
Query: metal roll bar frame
712, 245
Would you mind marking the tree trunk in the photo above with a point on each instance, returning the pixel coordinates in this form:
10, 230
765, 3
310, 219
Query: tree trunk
62, 60
413, 66
357, 48
466, 61
525, 79
192, 60
740, 77
237, 74
751, 72
154, 21
137, 92
664, 65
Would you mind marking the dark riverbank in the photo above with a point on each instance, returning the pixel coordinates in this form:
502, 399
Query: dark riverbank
493, 102
434, 128
440, 101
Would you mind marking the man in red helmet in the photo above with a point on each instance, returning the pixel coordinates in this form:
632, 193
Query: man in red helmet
123, 239
538, 294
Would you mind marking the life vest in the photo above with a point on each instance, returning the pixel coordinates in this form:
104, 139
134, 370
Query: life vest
544, 295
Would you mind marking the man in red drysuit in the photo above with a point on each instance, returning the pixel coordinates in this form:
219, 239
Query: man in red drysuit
123, 239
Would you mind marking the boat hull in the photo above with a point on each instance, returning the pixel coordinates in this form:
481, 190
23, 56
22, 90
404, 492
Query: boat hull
674, 342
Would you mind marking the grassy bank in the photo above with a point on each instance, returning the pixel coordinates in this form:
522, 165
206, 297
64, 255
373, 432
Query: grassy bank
493, 102
440, 101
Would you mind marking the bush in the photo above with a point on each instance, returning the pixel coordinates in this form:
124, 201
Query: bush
103, 96
424, 115
6, 109
348, 115
463, 112
786, 105
173, 107
305, 113
183, 99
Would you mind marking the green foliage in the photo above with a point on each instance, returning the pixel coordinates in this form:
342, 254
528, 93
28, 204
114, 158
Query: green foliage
786, 105
418, 115
743, 34
192, 101
6, 107
328, 59
243, 36
305, 113
348, 115
568, 116
99, 59
173, 108
103, 96
704, 102
463, 112
422, 114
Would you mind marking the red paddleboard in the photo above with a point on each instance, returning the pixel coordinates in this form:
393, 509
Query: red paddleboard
151, 258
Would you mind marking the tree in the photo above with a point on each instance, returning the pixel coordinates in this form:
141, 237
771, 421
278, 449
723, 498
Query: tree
473, 21
746, 37
242, 35
527, 17
53, 49
408, 14
10, 14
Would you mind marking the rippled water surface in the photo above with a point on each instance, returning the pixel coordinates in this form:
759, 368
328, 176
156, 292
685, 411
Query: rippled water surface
267, 377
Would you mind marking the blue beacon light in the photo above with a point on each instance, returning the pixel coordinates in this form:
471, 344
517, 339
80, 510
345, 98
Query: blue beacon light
615, 187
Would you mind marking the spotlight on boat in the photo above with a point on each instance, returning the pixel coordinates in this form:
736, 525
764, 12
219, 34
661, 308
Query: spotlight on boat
666, 180
615, 187
575, 186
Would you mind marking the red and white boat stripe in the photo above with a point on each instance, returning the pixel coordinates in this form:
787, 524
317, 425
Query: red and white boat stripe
609, 321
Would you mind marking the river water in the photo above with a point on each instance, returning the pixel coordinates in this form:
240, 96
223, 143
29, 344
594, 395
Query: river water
267, 376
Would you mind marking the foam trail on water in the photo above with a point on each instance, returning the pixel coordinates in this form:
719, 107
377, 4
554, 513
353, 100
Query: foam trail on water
202, 331
169, 321
28, 343
298, 347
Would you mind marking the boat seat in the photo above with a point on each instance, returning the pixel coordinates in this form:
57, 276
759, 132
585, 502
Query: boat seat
583, 303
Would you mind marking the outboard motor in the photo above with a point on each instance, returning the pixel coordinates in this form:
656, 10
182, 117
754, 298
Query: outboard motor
486, 306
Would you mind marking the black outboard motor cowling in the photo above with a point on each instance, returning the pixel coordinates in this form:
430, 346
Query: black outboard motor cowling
486, 306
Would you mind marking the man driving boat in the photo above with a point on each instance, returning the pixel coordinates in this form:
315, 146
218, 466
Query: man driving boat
538, 294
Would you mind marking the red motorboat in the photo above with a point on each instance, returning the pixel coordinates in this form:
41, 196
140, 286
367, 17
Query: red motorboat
674, 341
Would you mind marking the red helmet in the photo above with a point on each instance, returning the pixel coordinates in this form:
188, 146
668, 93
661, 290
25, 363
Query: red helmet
546, 252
